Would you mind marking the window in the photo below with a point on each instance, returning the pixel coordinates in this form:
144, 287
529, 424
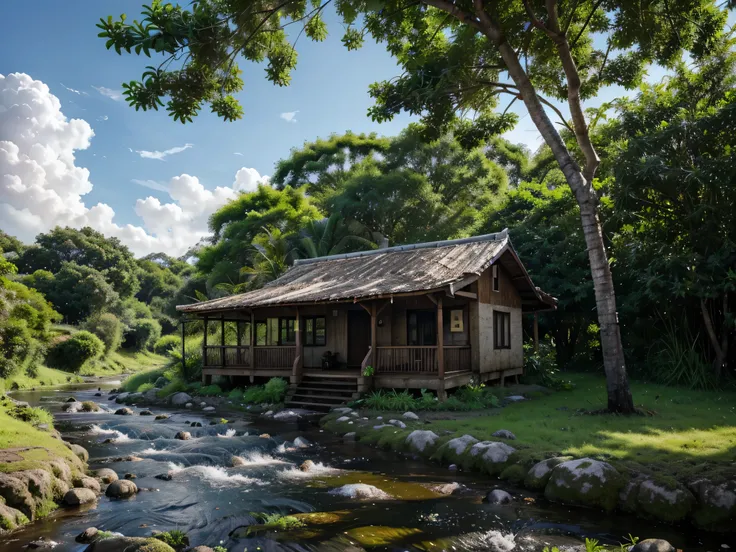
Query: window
287, 331
496, 279
315, 333
501, 330
261, 332
421, 328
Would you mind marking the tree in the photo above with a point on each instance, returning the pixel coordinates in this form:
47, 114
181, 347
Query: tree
84, 247
334, 235
452, 54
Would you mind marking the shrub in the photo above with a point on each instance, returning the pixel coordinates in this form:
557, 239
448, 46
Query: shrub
470, 397
16, 344
145, 387
108, 328
143, 334
178, 540
192, 368
210, 391
31, 414
175, 386
71, 354
166, 344
273, 392
236, 395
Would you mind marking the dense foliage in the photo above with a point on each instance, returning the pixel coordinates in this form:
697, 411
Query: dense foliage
72, 353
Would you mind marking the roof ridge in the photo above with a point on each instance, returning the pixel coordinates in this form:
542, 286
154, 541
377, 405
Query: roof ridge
496, 236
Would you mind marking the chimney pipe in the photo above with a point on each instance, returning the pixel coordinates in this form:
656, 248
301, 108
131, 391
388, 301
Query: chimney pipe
384, 243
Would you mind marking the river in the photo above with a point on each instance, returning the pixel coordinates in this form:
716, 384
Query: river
214, 503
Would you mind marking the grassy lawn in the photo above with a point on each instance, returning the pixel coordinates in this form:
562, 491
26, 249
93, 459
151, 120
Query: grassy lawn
45, 377
123, 362
685, 434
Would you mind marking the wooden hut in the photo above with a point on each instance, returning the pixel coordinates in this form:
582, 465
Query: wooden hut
428, 315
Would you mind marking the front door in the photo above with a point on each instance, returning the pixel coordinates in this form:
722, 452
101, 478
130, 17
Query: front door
359, 336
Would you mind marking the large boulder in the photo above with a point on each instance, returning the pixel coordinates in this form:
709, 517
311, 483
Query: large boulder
121, 397
716, 508
40, 483
79, 451
585, 482
540, 473
421, 440
10, 518
453, 449
179, 399
16, 495
491, 456
106, 475
653, 545
122, 488
129, 544
85, 482
360, 490
77, 497
668, 501
499, 496
183, 436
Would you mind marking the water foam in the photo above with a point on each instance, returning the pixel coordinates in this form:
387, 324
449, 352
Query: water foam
214, 475
229, 434
150, 451
258, 458
491, 541
317, 470
114, 434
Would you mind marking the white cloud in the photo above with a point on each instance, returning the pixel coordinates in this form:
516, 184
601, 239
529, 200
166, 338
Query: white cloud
161, 155
41, 186
103, 118
72, 90
238, 153
116, 95
152, 184
289, 116
247, 180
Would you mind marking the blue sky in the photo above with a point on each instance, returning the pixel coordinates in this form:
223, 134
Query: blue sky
328, 94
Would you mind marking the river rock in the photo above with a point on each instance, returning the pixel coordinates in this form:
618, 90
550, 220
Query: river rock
164, 476
343, 410
98, 394
410, 416
106, 475
72, 407
121, 397
343, 419
71, 400
716, 508
360, 490
397, 423
491, 455
498, 496
195, 424
585, 482
180, 399
183, 436
504, 434
307, 466
420, 440
40, 483
352, 436
16, 495
515, 398
201, 549
668, 501
79, 496
42, 543
146, 413
208, 409
301, 442
447, 489
125, 411
130, 476
653, 545
79, 451
161, 417
128, 544
122, 488
188, 405
10, 518
87, 536
539, 474
236, 461
381, 426
85, 482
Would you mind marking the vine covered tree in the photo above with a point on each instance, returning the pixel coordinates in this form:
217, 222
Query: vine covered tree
458, 57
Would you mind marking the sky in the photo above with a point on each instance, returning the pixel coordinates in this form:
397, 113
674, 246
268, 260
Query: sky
72, 152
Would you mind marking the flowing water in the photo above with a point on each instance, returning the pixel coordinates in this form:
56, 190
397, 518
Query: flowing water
214, 503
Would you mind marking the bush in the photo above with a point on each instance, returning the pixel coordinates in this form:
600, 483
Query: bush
273, 392
166, 344
175, 386
71, 354
16, 344
469, 397
108, 328
210, 390
143, 334
236, 395
145, 387
32, 415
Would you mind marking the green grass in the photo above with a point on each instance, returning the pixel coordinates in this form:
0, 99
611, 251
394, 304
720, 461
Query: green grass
45, 377
123, 362
133, 382
684, 433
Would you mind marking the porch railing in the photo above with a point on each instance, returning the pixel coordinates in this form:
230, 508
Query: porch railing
233, 356
421, 359
274, 357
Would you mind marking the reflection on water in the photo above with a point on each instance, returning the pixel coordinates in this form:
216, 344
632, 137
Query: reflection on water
203, 495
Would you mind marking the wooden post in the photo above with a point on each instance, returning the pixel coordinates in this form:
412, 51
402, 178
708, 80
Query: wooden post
440, 350
204, 350
183, 348
299, 361
536, 332
238, 343
252, 341
222, 341
374, 337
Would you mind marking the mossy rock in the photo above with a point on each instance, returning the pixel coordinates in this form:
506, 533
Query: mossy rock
585, 482
627, 497
422, 441
491, 457
377, 535
452, 451
665, 500
515, 473
539, 474
716, 505
129, 544
10, 518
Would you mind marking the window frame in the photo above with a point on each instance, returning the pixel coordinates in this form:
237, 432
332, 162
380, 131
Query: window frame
495, 279
284, 325
502, 329
313, 332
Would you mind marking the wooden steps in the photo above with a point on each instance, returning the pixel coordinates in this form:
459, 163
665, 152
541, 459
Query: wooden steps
322, 392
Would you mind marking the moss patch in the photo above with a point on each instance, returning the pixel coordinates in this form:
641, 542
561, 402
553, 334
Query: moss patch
401, 490
377, 535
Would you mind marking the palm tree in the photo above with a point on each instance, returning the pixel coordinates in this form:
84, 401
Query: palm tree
335, 235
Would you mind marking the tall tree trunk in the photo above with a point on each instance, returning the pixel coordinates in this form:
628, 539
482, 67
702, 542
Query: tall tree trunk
719, 348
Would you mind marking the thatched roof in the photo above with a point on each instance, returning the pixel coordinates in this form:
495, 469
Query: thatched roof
394, 271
